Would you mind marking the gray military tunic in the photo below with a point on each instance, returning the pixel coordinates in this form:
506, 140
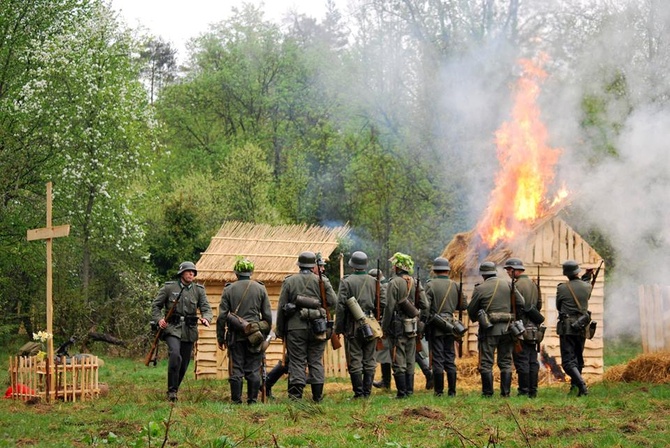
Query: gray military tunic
183, 323
494, 297
303, 349
443, 297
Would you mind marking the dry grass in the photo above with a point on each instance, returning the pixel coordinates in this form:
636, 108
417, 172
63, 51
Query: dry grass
648, 368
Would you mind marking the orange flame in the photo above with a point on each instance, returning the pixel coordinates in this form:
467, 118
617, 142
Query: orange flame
527, 165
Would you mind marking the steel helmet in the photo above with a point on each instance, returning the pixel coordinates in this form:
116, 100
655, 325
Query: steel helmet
374, 272
306, 259
358, 260
515, 263
441, 264
403, 262
187, 266
571, 267
487, 268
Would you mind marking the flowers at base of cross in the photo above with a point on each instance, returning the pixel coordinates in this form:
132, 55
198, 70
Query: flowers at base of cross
42, 336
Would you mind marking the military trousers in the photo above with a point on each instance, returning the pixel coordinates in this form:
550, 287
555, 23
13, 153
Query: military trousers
360, 355
403, 355
495, 348
383, 356
305, 352
572, 351
243, 363
526, 361
179, 357
444, 354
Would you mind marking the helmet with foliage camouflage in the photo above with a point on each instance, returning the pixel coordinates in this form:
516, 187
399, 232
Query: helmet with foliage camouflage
187, 266
243, 266
403, 262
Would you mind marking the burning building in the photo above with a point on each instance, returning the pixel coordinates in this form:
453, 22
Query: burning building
523, 220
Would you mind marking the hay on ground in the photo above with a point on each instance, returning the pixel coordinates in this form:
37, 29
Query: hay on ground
648, 368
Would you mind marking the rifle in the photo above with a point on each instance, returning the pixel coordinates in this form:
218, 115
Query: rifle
62, 349
334, 337
517, 342
417, 300
460, 313
378, 297
539, 299
595, 277
154, 347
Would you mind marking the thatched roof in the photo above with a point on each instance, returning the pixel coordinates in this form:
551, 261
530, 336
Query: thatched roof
465, 251
273, 249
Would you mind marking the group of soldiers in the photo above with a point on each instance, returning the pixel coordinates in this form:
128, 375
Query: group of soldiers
381, 321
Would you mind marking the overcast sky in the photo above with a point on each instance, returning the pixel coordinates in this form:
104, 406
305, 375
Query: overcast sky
177, 21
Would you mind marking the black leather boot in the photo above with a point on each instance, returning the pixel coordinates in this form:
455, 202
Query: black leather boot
273, 376
253, 387
425, 369
409, 383
317, 392
401, 385
487, 384
295, 391
532, 384
524, 380
451, 383
368, 377
357, 384
505, 383
578, 381
438, 383
236, 391
385, 383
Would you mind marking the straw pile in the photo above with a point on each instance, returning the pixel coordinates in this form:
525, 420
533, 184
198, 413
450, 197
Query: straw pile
648, 368
462, 253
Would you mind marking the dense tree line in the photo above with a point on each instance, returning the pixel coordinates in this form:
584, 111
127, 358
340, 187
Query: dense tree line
381, 119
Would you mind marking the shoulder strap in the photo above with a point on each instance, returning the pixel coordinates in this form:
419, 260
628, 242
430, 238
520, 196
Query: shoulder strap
244, 296
493, 295
444, 299
579, 305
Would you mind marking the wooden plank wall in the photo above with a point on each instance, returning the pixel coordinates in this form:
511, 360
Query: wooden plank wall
210, 362
547, 248
655, 317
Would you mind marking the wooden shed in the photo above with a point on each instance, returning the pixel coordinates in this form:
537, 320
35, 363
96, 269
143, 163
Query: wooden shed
274, 251
543, 249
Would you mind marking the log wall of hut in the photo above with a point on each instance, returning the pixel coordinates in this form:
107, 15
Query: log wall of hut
543, 250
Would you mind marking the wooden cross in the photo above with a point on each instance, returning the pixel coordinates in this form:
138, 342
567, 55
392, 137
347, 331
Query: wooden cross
48, 233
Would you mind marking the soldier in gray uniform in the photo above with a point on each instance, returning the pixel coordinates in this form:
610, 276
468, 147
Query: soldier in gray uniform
301, 323
491, 306
246, 299
572, 302
443, 295
525, 360
399, 326
360, 349
383, 356
181, 332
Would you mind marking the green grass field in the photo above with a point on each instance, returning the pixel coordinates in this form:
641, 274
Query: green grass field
136, 414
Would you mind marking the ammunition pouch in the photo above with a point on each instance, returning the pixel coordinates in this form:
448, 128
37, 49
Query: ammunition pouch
289, 309
410, 327
191, 321
312, 314
408, 308
236, 322
517, 329
307, 302
534, 315
483, 320
175, 319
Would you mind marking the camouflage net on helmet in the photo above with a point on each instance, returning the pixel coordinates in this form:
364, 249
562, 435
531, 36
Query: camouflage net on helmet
402, 261
243, 264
